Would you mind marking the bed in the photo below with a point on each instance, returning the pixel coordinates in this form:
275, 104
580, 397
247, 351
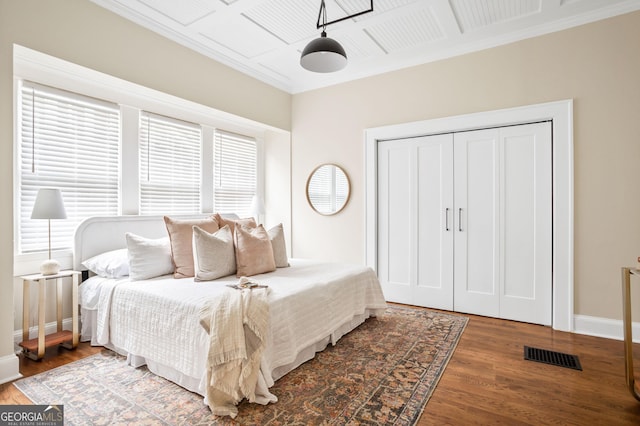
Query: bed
158, 322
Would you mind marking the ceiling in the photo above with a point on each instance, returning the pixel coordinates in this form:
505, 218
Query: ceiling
264, 38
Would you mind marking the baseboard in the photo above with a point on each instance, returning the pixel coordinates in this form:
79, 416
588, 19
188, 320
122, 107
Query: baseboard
50, 327
603, 327
9, 368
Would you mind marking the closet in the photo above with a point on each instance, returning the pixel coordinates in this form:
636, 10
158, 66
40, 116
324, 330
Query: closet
465, 221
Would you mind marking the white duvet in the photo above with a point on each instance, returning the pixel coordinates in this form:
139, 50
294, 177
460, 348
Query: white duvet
158, 319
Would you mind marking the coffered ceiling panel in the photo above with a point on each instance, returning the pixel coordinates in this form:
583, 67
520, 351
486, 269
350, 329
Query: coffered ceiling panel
360, 45
407, 31
289, 20
350, 7
473, 14
183, 12
240, 35
264, 38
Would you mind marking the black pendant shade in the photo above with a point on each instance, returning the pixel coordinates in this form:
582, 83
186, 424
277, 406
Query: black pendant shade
323, 54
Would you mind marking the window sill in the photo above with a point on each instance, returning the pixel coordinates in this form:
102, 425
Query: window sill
29, 263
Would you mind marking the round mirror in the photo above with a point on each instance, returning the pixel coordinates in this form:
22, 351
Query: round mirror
328, 189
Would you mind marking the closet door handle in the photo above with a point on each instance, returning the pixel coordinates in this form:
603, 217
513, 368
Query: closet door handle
460, 219
446, 219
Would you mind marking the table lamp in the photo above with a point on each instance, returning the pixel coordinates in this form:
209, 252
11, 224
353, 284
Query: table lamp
257, 207
49, 206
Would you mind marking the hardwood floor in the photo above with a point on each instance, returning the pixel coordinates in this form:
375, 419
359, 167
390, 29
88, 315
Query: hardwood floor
487, 381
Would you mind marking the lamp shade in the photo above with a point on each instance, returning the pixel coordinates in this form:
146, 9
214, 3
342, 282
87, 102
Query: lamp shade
257, 206
48, 205
323, 54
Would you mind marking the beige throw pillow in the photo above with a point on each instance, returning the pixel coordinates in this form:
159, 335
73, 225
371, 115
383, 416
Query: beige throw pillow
276, 235
213, 254
254, 253
181, 236
248, 222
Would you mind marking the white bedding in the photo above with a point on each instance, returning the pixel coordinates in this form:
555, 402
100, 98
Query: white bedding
156, 321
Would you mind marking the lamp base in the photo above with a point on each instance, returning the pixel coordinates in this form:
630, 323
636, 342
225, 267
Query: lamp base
50, 267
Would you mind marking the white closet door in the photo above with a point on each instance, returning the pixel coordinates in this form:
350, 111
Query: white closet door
477, 231
503, 243
415, 227
526, 235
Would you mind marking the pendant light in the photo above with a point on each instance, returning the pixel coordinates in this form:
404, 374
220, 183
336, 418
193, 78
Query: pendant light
325, 54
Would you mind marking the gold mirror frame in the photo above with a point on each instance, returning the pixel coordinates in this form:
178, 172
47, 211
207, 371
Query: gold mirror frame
328, 189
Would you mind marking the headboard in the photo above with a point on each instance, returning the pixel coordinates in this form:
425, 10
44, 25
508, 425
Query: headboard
99, 234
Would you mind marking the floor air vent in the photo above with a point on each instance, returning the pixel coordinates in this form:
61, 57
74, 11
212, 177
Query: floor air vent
553, 358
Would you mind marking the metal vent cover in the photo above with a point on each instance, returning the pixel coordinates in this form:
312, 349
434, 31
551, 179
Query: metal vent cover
551, 357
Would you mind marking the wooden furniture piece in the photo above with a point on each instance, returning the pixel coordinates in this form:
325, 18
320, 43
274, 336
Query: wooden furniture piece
35, 348
628, 335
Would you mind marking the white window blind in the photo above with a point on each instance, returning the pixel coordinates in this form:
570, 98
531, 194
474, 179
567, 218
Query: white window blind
321, 189
71, 142
235, 173
342, 188
169, 165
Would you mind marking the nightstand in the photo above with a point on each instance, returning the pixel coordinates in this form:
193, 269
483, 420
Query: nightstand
34, 348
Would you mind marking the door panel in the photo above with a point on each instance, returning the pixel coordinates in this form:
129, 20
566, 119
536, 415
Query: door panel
526, 233
503, 254
476, 279
394, 225
434, 222
518, 212
415, 186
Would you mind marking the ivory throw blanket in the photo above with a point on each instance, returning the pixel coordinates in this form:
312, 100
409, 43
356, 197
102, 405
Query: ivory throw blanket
237, 323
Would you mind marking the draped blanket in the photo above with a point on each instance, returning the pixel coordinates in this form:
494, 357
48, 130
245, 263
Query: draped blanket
237, 324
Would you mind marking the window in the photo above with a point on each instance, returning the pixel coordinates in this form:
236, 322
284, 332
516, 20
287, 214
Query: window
169, 165
109, 158
234, 173
71, 142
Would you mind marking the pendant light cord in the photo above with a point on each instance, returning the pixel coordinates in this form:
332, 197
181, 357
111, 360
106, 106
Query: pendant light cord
322, 14
323, 9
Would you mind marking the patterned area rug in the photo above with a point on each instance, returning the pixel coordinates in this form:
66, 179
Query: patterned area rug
381, 373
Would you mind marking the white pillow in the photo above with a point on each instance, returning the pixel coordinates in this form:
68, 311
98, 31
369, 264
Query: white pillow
276, 235
148, 258
111, 264
213, 254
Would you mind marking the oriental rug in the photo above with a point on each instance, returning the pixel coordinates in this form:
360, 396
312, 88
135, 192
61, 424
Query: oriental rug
383, 372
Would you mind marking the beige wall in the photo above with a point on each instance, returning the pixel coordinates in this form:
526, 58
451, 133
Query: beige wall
78, 31
597, 65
